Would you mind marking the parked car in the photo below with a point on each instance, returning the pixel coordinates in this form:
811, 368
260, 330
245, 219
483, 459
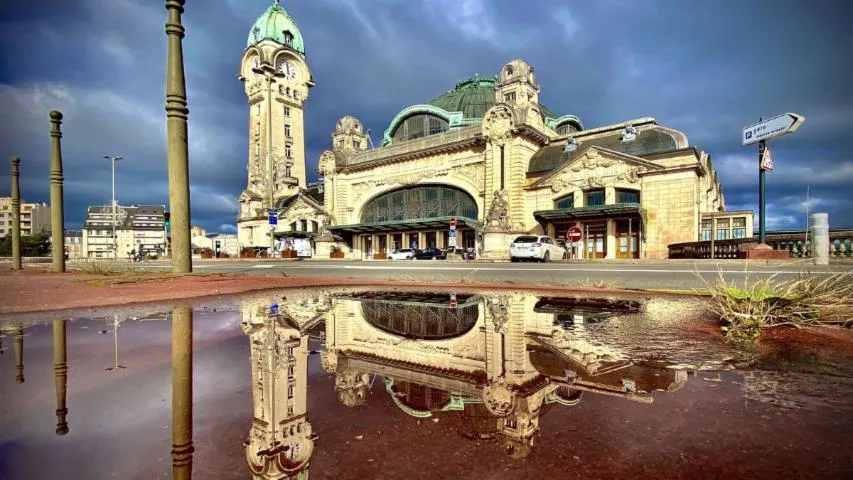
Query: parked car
431, 253
403, 254
535, 247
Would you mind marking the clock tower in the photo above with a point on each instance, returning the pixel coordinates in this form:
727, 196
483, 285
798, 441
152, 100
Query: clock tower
276, 79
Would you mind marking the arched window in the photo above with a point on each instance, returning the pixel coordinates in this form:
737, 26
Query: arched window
566, 128
427, 321
423, 201
565, 202
420, 125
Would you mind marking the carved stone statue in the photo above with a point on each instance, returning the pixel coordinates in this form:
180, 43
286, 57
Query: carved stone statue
497, 220
326, 164
497, 125
324, 233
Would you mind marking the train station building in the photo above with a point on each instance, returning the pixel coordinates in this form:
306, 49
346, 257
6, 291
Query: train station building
485, 153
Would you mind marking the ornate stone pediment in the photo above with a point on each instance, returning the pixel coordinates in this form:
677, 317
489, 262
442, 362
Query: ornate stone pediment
301, 210
594, 170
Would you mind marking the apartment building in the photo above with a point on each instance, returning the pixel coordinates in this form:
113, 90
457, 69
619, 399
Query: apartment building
136, 227
35, 217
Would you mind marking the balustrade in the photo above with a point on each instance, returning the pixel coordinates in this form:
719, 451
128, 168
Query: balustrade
840, 246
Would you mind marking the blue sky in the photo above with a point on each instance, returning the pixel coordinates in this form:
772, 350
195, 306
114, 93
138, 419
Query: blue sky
707, 68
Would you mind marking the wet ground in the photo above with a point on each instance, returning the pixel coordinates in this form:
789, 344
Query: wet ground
404, 384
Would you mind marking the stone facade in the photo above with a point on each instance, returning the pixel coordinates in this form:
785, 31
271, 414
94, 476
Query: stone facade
502, 164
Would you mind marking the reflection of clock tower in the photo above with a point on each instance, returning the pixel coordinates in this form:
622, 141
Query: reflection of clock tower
276, 80
280, 442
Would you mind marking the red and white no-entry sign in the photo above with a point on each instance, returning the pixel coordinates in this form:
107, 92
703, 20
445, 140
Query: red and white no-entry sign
574, 234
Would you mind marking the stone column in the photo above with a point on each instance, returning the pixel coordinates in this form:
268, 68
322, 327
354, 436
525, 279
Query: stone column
60, 374
57, 212
610, 240
18, 331
177, 148
820, 237
16, 213
182, 392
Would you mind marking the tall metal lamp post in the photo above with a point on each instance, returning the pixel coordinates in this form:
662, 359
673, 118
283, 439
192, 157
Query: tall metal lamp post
270, 74
113, 159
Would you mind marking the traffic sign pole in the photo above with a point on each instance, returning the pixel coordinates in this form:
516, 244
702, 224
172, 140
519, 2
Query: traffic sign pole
762, 198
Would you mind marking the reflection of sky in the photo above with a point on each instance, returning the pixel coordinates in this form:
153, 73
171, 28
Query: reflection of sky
120, 420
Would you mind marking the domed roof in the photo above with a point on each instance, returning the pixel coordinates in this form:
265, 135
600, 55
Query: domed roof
473, 97
277, 25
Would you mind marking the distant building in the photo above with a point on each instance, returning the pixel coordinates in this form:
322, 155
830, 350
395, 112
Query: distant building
74, 244
136, 227
35, 217
202, 240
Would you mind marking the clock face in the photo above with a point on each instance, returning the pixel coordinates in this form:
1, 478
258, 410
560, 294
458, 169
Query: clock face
288, 69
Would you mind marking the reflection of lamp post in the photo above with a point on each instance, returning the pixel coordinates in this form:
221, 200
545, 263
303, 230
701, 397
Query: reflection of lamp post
115, 342
270, 74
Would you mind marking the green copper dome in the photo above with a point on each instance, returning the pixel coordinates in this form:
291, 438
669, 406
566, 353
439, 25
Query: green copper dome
473, 97
277, 25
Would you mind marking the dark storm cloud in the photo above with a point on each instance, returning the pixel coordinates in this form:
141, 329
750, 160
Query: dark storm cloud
707, 69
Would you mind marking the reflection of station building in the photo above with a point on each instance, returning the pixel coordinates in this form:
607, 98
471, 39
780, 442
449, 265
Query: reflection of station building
491, 366
280, 441
486, 152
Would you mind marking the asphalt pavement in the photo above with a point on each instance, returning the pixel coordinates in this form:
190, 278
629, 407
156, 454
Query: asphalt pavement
667, 274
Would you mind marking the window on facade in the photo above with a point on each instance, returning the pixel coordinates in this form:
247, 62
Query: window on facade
286, 111
290, 391
290, 371
288, 152
739, 227
287, 130
723, 229
566, 202
303, 224
419, 202
355, 144
293, 227
314, 226
706, 230
594, 198
420, 125
627, 196
509, 97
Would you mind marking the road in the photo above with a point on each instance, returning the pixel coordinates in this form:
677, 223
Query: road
669, 275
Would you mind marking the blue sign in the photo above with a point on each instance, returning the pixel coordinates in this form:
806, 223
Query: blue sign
274, 309
452, 233
273, 220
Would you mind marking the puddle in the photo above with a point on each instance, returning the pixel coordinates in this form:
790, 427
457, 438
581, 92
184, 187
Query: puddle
356, 383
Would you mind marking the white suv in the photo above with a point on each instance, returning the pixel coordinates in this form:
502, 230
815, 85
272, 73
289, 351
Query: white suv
533, 247
402, 254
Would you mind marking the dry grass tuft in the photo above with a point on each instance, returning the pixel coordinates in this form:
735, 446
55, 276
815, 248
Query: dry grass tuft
808, 300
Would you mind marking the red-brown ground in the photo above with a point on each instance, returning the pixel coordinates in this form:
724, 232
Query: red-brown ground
34, 289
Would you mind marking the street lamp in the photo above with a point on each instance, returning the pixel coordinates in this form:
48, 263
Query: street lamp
114, 244
270, 74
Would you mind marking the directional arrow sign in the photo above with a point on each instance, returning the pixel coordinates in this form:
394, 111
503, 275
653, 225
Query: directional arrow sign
773, 127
